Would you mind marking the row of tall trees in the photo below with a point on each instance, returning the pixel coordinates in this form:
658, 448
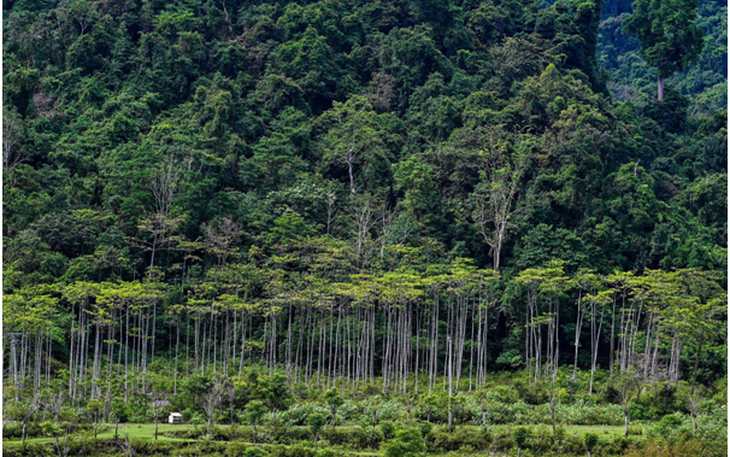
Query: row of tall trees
445, 327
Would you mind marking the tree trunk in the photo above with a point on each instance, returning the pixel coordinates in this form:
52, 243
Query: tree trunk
660, 90
71, 365
177, 353
578, 325
350, 161
595, 342
451, 377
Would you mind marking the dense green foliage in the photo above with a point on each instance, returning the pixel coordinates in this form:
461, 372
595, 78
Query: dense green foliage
268, 213
670, 39
631, 78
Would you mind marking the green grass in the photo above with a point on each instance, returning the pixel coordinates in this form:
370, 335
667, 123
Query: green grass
600, 430
143, 432
146, 432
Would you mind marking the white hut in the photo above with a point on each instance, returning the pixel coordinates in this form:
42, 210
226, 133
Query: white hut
175, 418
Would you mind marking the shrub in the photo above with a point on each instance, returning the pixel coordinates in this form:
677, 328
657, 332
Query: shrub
338, 437
297, 414
590, 440
388, 430
346, 412
425, 428
316, 422
617, 446
368, 437
15, 430
583, 412
297, 450
407, 443
636, 430
638, 412
390, 410
223, 433
237, 448
683, 448
520, 436
445, 440
328, 453
255, 452
31, 450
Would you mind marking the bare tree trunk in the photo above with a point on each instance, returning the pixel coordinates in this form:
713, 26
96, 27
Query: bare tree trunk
578, 325
660, 89
611, 340
595, 342
126, 359
350, 160
97, 354
71, 364
451, 377
177, 353
153, 331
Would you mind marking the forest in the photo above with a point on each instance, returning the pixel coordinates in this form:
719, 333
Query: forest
364, 228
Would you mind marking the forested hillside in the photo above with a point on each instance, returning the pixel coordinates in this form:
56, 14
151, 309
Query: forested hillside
476, 210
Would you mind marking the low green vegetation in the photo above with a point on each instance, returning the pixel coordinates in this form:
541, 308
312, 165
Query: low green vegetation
517, 418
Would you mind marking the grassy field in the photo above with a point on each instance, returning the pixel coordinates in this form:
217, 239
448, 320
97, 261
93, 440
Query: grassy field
146, 432
143, 432
600, 430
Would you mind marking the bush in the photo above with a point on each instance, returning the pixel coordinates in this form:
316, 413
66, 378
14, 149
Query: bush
33, 430
590, 440
388, 430
520, 436
339, 437
615, 447
347, 411
223, 433
238, 448
208, 448
584, 413
390, 410
683, 448
32, 450
297, 414
407, 443
297, 450
328, 453
255, 452
638, 412
368, 437
425, 428
444, 440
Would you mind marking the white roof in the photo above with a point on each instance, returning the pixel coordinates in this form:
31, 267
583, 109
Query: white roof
175, 414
